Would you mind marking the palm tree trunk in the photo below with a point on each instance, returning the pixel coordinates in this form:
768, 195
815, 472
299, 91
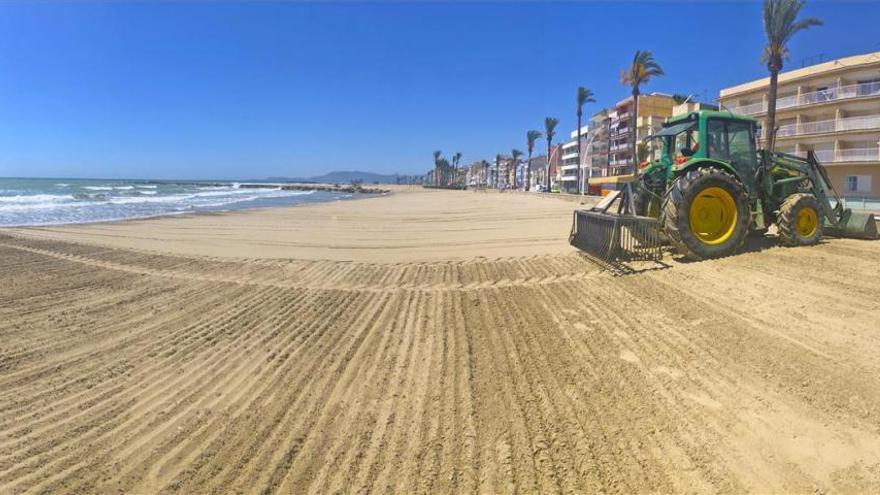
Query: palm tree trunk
770, 132
529, 171
528, 183
549, 146
635, 137
580, 174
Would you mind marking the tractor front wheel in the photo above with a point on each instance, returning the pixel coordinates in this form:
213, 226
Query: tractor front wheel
799, 220
706, 214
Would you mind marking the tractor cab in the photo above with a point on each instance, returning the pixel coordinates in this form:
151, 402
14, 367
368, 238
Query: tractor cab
721, 137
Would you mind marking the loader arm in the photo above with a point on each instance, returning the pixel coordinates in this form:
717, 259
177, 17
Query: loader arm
800, 168
841, 222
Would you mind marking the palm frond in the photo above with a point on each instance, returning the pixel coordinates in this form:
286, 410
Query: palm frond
584, 95
643, 68
550, 124
780, 25
531, 138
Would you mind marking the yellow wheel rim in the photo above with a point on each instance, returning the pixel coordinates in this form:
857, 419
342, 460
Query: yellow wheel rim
806, 222
713, 216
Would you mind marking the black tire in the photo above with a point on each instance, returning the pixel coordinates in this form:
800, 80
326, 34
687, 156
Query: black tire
677, 206
795, 208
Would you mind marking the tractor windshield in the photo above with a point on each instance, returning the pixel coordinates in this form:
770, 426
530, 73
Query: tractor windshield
684, 145
731, 141
680, 141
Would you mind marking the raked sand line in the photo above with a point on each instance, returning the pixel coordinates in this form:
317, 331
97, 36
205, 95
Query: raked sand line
130, 371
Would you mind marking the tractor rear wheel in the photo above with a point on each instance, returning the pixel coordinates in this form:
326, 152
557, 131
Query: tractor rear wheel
799, 220
706, 213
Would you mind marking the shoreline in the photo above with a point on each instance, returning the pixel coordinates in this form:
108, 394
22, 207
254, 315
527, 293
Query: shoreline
182, 214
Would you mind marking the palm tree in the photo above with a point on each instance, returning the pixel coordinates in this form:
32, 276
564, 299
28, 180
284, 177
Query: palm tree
643, 68
456, 161
437, 167
444, 170
584, 96
531, 138
780, 25
549, 131
515, 154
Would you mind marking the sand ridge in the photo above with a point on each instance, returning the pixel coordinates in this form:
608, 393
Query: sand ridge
138, 371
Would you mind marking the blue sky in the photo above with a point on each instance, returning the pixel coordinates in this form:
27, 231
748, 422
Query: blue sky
248, 90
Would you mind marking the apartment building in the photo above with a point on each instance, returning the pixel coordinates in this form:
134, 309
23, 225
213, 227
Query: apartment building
833, 109
596, 149
568, 180
477, 174
615, 143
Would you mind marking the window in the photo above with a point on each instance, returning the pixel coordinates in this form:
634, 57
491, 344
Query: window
731, 142
858, 183
868, 87
686, 143
716, 140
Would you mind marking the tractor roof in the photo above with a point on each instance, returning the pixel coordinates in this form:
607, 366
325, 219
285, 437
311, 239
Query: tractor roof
706, 114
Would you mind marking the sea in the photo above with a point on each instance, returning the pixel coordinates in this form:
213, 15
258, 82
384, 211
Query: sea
64, 201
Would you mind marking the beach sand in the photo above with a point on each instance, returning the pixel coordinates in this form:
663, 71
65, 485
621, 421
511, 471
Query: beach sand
410, 225
428, 342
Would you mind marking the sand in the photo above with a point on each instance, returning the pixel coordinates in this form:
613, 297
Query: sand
410, 225
241, 353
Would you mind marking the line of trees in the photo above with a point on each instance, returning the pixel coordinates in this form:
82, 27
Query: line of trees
781, 23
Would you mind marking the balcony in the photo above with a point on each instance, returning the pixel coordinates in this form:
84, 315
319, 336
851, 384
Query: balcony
569, 156
812, 98
867, 122
846, 155
620, 146
569, 167
569, 178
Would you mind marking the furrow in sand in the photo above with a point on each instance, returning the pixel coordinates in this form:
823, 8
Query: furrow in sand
104, 423
361, 390
350, 370
84, 364
138, 372
273, 404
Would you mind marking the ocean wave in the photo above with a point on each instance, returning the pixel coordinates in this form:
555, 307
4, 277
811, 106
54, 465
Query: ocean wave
62, 185
99, 203
35, 198
147, 186
124, 188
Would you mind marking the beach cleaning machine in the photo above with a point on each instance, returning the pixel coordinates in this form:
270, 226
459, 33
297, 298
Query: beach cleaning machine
708, 189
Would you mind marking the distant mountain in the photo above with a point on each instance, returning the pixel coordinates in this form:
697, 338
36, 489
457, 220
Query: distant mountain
342, 177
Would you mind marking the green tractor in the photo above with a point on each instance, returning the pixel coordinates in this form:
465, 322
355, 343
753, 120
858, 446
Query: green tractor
708, 189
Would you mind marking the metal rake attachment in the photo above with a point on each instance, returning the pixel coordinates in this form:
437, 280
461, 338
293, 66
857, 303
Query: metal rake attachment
620, 236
